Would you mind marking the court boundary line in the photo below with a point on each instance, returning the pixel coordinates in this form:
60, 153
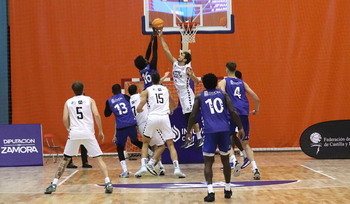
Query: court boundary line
68, 177
320, 172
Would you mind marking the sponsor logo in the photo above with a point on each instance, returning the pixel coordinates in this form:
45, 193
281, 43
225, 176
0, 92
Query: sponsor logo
316, 139
21, 146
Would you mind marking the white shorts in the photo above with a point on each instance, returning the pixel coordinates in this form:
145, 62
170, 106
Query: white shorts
186, 98
162, 123
156, 140
91, 145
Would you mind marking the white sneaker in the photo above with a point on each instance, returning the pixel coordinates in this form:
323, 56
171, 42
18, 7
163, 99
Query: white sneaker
237, 169
125, 174
179, 173
142, 171
161, 172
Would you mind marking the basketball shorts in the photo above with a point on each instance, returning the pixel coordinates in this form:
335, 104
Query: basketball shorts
158, 123
156, 140
218, 139
186, 98
72, 147
245, 123
122, 135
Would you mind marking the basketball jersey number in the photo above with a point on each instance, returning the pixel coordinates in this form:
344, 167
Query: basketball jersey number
215, 106
159, 97
146, 77
121, 109
134, 110
79, 113
237, 92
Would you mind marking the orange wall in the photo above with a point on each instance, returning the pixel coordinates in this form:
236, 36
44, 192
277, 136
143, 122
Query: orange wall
294, 54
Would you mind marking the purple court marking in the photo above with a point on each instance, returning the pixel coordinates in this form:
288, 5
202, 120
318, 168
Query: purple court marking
199, 184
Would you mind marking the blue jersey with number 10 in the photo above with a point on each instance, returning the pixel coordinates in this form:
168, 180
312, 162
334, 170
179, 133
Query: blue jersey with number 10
122, 111
214, 111
146, 76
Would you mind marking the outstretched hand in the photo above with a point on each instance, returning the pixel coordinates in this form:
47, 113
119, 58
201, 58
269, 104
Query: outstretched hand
101, 136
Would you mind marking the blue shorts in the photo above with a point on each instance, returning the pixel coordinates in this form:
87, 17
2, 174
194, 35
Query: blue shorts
212, 140
245, 123
122, 135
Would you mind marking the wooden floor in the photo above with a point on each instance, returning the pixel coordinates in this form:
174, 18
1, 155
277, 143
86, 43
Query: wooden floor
287, 177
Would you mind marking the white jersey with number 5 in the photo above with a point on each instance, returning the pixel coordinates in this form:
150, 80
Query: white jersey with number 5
158, 100
80, 117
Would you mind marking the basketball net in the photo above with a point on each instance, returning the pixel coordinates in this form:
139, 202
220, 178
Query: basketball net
188, 32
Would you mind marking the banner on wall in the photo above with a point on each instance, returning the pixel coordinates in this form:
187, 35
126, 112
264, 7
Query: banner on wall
179, 128
327, 140
21, 145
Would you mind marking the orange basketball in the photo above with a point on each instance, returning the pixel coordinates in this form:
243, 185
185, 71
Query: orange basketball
158, 24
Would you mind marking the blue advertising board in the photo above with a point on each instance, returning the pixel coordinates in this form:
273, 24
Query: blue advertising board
21, 145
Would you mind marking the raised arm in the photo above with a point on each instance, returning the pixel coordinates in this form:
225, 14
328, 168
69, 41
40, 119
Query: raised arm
192, 118
164, 77
153, 63
166, 48
143, 100
190, 73
97, 119
255, 97
148, 52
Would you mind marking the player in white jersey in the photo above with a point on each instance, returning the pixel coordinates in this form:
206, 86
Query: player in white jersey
182, 73
158, 98
78, 119
141, 119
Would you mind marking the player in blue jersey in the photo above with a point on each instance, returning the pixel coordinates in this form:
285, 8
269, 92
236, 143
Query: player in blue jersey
125, 124
214, 105
145, 67
237, 90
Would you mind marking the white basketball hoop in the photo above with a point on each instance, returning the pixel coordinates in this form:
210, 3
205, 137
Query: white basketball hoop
188, 32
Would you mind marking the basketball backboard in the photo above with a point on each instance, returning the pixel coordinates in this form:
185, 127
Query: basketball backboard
212, 16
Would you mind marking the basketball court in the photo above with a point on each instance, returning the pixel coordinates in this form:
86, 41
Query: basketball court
287, 177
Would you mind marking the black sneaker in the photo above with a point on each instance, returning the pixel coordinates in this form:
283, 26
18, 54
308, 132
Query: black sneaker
210, 197
71, 166
228, 194
187, 145
86, 165
200, 143
256, 173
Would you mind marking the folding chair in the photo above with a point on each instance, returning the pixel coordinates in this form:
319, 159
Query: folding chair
52, 147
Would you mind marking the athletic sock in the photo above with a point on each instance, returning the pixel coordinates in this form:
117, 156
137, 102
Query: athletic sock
199, 136
176, 164
254, 165
123, 163
160, 165
107, 179
227, 187
151, 161
233, 158
244, 154
210, 188
143, 161
55, 181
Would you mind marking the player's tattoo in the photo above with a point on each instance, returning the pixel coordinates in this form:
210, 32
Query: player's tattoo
62, 167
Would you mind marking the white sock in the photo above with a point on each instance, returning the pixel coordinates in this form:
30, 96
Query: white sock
227, 187
123, 163
150, 152
210, 188
176, 164
107, 180
55, 181
199, 136
254, 165
151, 161
233, 158
143, 161
244, 154
160, 165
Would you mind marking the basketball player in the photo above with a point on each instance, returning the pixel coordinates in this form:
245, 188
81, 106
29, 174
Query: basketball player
158, 98
182, 73
145, 67
141, 119
125, 124
78, 119
214, 105
237, 90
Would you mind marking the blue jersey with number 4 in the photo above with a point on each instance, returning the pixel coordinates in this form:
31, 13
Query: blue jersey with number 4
235, 89
214, 111
122, 111
146, 76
